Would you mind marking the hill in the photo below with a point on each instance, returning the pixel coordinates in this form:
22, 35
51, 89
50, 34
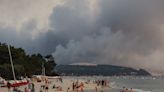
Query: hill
105, 70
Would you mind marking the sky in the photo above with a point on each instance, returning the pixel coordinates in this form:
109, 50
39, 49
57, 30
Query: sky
117, 32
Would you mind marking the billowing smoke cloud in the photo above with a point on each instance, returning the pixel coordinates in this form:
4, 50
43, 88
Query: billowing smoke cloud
118, 32
24, 23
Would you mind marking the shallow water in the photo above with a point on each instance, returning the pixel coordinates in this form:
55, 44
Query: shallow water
139, 84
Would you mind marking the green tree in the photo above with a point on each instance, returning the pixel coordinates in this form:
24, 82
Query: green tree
24, 64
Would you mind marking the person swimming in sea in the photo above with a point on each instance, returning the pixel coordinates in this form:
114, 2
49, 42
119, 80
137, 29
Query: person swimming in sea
131, 90
123, 89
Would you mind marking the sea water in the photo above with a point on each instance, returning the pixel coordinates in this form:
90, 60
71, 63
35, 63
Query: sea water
139, 84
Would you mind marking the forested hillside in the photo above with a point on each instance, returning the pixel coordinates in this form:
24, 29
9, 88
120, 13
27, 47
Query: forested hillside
24, 64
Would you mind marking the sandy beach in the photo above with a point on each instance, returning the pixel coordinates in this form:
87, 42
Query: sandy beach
55, 85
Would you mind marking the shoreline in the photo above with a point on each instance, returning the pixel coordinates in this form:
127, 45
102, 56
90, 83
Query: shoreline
66, 86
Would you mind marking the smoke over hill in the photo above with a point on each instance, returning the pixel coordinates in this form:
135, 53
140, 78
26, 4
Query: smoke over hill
118, 32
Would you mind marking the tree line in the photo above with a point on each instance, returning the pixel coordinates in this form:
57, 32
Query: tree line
24, 64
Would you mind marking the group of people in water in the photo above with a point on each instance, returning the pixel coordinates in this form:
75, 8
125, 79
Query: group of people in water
127, 90
102, 83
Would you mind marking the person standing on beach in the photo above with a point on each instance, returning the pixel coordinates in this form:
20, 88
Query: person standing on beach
102, 83
96, 89
41, 88
81, 87
26, 90
8, 86
73, 86
68, 89
77, 86
61, 80
33, 87
46, 89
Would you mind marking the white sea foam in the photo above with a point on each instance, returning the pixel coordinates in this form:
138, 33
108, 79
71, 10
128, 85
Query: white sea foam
140, 90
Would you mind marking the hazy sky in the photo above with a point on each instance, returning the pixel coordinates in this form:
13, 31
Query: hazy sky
118, 32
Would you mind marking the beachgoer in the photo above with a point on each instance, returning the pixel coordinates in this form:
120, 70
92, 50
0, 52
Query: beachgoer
26, 90
59, 88
46, 88
105, 83
41, 88
131, 90
102, 83
77, 86
96, 89
29, 86
33, 87
46, 81
123, 89
68, 89
61, 80
73, 86
108, 83
53, 86
15, 89
126, 90
8, 85
81, 87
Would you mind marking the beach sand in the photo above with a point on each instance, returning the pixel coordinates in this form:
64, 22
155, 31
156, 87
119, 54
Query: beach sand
67, 83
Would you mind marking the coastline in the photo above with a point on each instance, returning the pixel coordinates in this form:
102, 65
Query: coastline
65, 84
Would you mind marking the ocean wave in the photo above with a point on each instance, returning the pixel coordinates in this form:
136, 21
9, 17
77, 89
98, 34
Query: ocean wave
114, 85
140, 90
